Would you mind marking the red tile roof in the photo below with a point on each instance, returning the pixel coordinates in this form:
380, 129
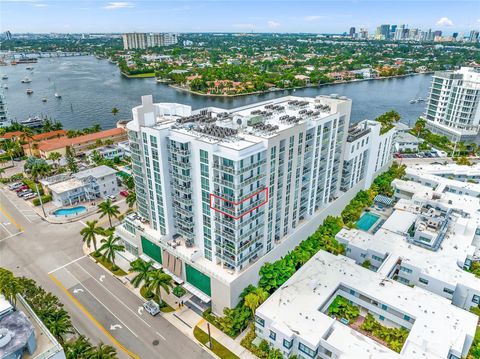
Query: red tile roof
48, 135
56, 143
10, 135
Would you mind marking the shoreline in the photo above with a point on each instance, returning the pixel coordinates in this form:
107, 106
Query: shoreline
147, 75
180, 88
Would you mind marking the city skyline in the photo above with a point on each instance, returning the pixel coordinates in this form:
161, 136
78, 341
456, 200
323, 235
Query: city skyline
233, 16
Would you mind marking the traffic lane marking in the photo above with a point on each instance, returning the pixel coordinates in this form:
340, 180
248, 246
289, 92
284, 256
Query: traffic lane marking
113, 295
11, 236
81, 283
67, 264
91, 317
10, 218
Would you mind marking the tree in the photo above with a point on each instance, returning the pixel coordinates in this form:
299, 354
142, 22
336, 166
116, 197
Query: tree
96, 158
78, 348
71, 162
2, 171
107, 208
111, 245
10, 286
157, 280
131, 199
102, 351
54, 156
255, 298
115, 111
90, 232
143, 270
40, 169
59, 324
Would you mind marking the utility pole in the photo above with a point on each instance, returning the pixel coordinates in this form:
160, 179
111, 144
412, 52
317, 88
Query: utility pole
209, 336
41, 202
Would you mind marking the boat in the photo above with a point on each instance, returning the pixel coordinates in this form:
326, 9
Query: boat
44, 99
5, 77
35, 121
29, 91
29, 68
25, 60
26, 80
57, 95
5, 86
413, 101
420, 99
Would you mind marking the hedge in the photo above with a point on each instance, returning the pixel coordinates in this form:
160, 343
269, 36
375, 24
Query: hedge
45, 199
33, 186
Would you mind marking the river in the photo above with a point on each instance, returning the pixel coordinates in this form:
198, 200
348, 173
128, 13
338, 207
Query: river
90, 88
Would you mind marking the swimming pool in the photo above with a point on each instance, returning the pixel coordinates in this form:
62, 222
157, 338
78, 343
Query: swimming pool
74, 211
366, 221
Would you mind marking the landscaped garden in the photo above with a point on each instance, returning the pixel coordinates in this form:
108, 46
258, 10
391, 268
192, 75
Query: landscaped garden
394, 338
342, 309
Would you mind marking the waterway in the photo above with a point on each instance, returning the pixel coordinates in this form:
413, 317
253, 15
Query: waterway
90, 88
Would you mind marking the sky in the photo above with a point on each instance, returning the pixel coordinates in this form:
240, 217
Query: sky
314, 16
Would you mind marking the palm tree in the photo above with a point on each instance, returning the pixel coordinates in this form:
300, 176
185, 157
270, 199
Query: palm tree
143, 270
110, 247
255, 298
96, 128
2, 171
115, 111
77, 348
59, 324
107, 208
131, 199
10, 286
54, 156
89, 234
157, 280
102, 351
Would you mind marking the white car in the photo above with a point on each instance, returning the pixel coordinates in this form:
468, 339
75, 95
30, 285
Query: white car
112, 197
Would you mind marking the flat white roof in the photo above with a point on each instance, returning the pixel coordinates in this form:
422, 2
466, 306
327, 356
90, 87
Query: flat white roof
295, 308
66, 186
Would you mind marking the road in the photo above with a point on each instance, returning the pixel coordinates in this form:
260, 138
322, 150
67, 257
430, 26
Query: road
100, 305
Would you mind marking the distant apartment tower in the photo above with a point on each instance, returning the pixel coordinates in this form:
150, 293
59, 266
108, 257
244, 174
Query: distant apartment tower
474, 35
352, 32
367, 151
453, 107
383, 32
139, 40
223, 191
364, 33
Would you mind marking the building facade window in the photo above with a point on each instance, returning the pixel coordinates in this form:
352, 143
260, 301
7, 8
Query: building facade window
287, 344
259, 321
476, 299
306, 350
423, 280
273, 335
448, 290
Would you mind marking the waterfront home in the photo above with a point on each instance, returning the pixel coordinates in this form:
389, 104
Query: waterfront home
80, 144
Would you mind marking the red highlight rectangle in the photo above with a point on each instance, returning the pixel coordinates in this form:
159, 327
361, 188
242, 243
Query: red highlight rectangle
237, 203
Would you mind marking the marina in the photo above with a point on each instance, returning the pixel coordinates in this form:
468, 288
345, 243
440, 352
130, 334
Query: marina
89, 88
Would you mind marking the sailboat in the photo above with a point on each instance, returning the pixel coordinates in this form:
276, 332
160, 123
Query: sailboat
57, 95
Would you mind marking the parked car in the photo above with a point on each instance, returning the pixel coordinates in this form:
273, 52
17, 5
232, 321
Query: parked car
112, 197
152, 307
21, 188
14, 186
30, 196
124, 193
24, 193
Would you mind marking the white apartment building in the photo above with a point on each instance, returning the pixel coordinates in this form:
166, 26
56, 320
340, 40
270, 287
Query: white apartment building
86, 185
224, 191
430, 240
140, 40
453, 106
295, 318
366, 151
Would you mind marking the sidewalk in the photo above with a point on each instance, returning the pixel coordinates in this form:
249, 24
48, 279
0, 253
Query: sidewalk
185, 319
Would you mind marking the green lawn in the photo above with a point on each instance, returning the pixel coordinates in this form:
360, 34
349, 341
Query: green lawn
107, 264
217, 348
148, 74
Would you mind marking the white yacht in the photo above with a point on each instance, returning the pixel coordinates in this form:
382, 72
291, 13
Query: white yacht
26, 80
5, 77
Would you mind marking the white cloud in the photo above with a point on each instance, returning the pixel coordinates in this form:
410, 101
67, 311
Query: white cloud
273, 24
444, 21
119, 5
313, 17
39, 5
